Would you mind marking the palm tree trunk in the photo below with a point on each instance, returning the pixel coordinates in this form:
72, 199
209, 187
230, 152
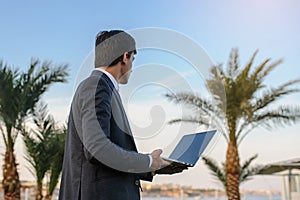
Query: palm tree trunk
48, 197
11, 183
39, 192
232, 171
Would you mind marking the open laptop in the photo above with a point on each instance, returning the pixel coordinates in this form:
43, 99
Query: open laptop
189, 149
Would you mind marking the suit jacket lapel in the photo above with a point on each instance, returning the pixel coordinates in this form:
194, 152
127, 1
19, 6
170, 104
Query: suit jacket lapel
120, 104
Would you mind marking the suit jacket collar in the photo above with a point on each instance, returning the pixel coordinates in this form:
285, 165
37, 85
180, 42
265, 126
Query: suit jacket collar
104, 76
110, 76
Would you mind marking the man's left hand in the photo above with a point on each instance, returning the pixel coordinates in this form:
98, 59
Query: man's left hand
173, 168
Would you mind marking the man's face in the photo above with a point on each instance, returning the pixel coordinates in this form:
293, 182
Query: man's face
127, 69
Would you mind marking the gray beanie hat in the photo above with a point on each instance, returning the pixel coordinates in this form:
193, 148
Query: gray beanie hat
110, 45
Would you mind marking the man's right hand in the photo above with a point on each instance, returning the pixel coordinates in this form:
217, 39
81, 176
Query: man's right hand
157, 161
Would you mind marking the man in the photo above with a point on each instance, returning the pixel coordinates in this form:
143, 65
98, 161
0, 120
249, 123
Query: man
101, 161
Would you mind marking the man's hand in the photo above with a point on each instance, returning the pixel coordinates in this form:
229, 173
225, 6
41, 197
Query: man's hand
173, 168
157, 161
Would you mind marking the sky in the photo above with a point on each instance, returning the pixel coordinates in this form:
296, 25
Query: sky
64, 32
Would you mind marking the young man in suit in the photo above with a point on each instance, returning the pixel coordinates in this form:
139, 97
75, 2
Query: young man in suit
101, 161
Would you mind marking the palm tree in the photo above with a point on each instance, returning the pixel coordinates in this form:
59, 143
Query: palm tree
241, 102
39, 150
19, 93
44, 150
57, 143
246, 171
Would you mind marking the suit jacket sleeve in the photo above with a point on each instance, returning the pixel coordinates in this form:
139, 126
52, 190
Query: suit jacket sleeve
93, 107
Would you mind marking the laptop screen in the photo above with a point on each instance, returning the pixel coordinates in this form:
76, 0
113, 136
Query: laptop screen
190, 147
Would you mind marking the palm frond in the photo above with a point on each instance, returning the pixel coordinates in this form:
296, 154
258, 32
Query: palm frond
247, 172
271, 67
248, 66
218, 92
193, 101
233, 63
58, 142
39, 143
258, 73
272, 95
195, 120
8, 96
37, 80
3, 134
216, 170
270, 119
244, 73
283, 115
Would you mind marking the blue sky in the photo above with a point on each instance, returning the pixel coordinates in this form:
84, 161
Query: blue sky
64, 32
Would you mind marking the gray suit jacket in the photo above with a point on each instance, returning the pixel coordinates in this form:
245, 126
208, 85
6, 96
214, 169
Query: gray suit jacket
101, 160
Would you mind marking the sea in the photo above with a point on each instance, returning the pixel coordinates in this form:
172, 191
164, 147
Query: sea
250, 197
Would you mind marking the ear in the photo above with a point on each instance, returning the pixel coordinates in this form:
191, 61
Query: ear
125, 58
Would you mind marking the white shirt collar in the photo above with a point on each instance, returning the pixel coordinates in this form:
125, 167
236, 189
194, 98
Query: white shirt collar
113, 80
